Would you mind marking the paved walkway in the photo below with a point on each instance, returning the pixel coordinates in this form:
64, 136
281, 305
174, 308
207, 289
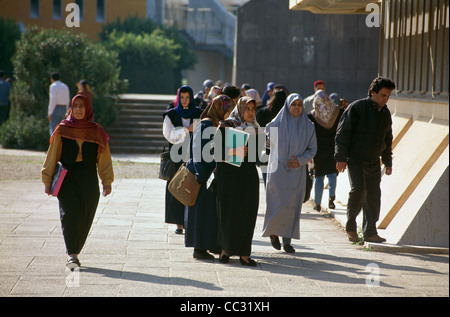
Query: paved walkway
132, 252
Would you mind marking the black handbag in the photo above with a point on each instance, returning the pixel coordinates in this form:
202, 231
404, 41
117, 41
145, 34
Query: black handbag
309, 183
167, 167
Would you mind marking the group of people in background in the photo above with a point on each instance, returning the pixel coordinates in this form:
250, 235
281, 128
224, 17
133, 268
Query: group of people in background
331, 135
320, 131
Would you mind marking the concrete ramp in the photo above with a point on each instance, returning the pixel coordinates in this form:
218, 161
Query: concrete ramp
424, 218
414, 199
414, 155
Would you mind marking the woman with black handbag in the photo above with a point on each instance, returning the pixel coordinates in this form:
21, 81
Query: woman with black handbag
177, 128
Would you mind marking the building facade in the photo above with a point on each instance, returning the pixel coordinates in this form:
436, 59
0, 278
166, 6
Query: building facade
414, 52
59, 14
208, 25
296, 48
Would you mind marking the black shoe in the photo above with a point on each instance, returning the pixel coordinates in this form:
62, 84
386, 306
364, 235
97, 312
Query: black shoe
275, 242
331, 204
317, 207
179, 231
249, 263
73, 263
224, 258
288, 248
202, 254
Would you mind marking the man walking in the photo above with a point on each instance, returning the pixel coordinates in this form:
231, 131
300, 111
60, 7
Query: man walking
5, 88
59, 101
364, 134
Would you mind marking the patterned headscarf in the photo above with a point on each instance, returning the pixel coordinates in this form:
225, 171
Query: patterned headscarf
325, 110
85, 129
216, 110
237, 115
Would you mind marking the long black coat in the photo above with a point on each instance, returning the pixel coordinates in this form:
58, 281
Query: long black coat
324, 162
237, 205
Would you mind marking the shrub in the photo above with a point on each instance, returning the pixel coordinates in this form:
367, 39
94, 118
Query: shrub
40, 52
151, 57
9, 34
25, 132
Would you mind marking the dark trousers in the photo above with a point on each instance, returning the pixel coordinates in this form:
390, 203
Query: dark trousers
78, 200
365, 193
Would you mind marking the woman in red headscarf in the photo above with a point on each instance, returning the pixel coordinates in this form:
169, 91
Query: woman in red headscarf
81, 146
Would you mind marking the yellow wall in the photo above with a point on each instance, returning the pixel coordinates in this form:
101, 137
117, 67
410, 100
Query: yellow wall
19, 10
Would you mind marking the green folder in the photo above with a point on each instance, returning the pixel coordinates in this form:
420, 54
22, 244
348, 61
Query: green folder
234, 138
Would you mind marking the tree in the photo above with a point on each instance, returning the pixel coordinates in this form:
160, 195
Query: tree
9, 34
40, 52
152, 57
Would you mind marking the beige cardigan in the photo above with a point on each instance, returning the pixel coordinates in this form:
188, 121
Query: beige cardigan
104, 162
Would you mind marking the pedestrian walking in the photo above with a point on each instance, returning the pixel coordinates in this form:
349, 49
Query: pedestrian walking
268, 93
178, 124
201, 222
82, 147
308, 105
325, 116
364, 134
236, 220
59, 101
5, 88
84, 89
286, 173
202, 97
255, 95
266, 114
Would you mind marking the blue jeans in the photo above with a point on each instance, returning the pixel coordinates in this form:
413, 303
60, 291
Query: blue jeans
58, 115
318, 187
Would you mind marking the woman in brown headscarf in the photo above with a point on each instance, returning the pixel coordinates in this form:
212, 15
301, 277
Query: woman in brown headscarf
237, 220
82, 147
201, 220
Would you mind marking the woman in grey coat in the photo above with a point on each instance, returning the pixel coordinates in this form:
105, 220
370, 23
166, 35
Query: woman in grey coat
292, 145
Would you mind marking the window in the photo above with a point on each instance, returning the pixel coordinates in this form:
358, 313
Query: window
34, 8
80, 4
100, 14
57, 9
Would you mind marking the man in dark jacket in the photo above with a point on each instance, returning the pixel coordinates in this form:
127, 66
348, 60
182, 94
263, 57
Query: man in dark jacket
364, 134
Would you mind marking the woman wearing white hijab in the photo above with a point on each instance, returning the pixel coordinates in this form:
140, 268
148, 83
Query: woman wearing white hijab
292, 146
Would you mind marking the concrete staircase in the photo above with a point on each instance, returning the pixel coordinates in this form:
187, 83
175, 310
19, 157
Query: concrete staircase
138, 129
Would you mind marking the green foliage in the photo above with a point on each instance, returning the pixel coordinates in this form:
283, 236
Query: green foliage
9, 34
147, 60
23, 131
40, 52
151, 57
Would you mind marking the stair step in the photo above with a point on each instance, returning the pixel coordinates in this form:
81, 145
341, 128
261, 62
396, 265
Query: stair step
136, 136
133, 130
135, 150
139, 125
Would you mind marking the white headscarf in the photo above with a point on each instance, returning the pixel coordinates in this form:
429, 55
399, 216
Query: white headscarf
294, 133
255, 95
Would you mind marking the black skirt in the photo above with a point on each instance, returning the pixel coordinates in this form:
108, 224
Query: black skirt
237, 206
78, 201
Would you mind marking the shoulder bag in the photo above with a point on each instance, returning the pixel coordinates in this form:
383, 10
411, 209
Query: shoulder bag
184, 186
167, 167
